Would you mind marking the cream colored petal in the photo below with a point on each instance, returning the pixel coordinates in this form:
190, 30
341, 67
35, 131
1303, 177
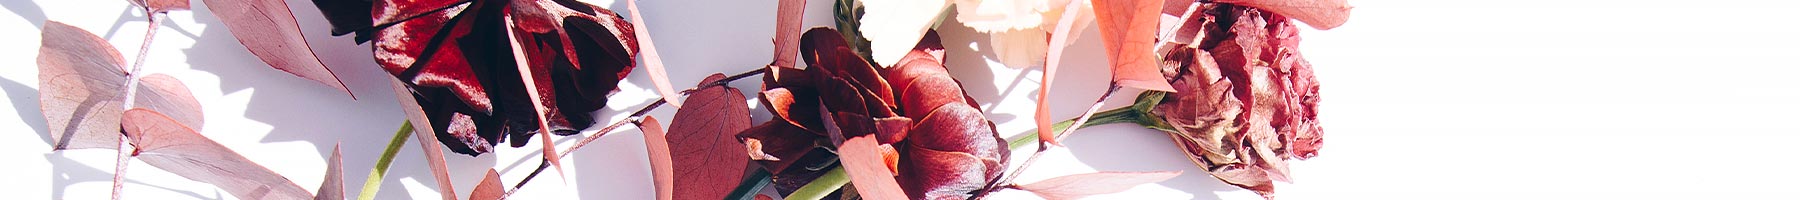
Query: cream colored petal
1002, 15
894, 26
1021, 48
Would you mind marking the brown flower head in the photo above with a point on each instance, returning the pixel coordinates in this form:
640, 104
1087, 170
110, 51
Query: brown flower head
458, 59
1245, 100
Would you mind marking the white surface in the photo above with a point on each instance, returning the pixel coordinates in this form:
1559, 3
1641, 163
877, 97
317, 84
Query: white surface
1534, 99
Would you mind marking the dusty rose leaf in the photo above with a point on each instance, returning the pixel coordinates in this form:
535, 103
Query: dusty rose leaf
709, 161
1128, 29
80, 77
165, 94
162, 5
788, 15
652, 61
1082, 185
533, 89
428, 140
268, 29
1058, 38
489, 188
333, 186
166, 144
868, 169
1320, 14
662, 164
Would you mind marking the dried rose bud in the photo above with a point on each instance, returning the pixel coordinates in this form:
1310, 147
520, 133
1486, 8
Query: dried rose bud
457, 57
1245, 100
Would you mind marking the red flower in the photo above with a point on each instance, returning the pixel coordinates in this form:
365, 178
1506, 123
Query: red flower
457, 57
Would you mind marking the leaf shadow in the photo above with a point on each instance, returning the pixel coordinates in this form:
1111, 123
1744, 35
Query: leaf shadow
1150, 150
966, 56
28, 10
65, 172
25, 101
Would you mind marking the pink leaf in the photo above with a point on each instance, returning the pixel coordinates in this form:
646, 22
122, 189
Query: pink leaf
166, 144
661, 163
1128, 28
1058, 38
489, 188
787, 31
1320, 14
532, 88
868, 169
652, 61
708, 160
165, 94
80, 77
333, 186
428, 141
268, 29
1082, 185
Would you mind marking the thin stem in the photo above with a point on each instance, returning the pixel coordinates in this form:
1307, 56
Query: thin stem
131, 83
836, 178
633, 118
373, 184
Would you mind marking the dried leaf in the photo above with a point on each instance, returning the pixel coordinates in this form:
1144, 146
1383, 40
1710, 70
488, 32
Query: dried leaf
333, 186
1128, 28
428, 142
1058, 38
788, 16
489, 188
165, 94
652, 61
268, 29
166, 144
1082, 185
662, 164
868, 169
80, 82
535, 90
1320, 14
157, 6
708, 160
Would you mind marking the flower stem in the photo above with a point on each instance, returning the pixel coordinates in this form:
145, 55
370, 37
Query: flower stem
836, 178
373, 184
752, 184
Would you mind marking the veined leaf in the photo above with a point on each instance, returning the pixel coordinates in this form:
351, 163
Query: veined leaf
81, 81
708, 159
1128, 29
166, 144
268, 29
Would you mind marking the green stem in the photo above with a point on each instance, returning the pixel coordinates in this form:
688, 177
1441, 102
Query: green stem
752, 184
818, 188
836, 178
373, 185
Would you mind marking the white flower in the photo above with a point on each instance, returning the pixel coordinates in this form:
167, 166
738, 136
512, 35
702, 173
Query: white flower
1018, 30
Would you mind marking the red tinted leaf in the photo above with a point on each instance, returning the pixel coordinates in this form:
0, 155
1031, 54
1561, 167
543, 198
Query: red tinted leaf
709, 161
662, 167
268, 29
489, 188
1320, 14
1128, 28
533, 89
868, 169
162, 5
1082, 185
428, 141
333, 186
788, 16
164, 93
1058, 40
80, 77
652, 61
168, 145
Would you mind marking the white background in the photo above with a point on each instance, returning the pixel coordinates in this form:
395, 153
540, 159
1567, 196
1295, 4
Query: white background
1535, 99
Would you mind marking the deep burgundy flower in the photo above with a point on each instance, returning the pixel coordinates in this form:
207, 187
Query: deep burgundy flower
457, 56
